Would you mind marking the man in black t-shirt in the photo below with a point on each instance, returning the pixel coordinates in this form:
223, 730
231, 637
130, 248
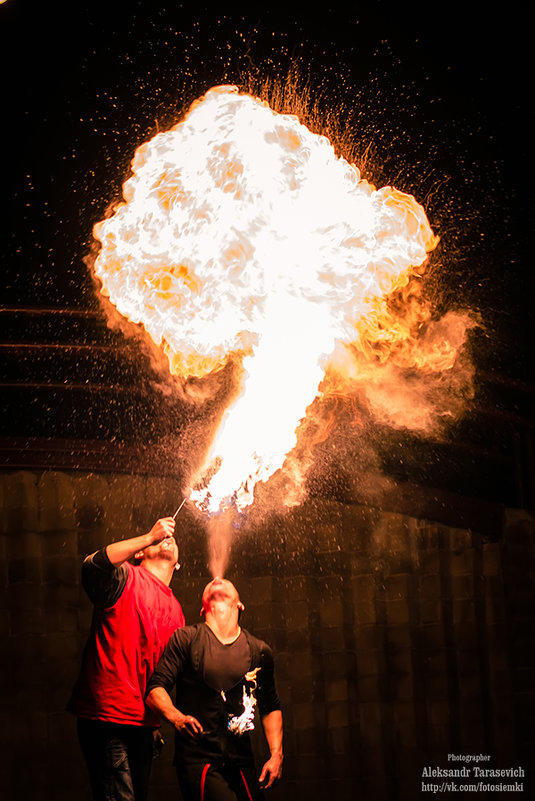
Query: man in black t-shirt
220, 672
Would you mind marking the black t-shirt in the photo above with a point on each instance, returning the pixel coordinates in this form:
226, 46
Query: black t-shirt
225, 665
194, 664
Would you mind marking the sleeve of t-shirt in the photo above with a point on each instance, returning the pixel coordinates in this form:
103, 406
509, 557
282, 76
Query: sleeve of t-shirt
173, 660
102, 581
266, 693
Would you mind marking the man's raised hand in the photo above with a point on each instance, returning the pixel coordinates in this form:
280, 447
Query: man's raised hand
163, 528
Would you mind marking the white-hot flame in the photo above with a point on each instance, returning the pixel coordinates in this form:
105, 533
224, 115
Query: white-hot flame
239, 724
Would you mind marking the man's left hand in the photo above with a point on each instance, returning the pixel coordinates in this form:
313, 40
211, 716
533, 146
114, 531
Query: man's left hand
271, 772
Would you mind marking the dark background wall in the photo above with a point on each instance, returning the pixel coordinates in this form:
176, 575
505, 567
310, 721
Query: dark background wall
398, 641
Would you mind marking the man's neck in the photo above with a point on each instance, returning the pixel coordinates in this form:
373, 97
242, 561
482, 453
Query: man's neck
162, 569
224, 626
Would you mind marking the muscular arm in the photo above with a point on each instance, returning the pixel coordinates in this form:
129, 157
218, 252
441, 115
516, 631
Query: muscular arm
272, 770
119, 552
104, 573
167, 673
160, 701
271, 716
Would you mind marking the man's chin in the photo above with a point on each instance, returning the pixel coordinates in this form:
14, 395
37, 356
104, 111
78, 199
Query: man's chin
168, 552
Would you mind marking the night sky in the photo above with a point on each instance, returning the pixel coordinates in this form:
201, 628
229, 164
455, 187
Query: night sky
431, 100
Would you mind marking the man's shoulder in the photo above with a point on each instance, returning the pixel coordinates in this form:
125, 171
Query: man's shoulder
253, 638
186, 634
192, 629
103, 583
260, 647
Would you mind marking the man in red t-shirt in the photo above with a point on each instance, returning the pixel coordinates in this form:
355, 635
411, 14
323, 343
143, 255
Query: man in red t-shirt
135, 613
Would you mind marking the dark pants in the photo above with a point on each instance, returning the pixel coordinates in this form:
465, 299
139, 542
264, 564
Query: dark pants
216, 783
118, 759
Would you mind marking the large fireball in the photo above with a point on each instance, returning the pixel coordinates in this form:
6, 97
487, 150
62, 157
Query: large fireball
241, 232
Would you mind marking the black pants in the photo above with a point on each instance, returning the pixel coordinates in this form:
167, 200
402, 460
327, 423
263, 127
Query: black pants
118, 759
207, 782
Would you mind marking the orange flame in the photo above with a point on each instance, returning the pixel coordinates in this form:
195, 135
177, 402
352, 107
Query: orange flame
241, 232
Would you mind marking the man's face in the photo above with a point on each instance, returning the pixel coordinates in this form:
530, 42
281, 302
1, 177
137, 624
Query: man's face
220, 591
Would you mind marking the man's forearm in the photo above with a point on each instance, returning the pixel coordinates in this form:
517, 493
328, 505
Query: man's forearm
160, 701
272, 770
272, 724
119, 552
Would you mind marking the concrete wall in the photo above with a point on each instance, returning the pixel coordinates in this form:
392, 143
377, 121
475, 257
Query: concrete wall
397, 641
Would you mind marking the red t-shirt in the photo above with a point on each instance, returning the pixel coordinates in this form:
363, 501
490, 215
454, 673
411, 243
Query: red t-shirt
123, 649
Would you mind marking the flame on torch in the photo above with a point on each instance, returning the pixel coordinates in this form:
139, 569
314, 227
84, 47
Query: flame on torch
242, 234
